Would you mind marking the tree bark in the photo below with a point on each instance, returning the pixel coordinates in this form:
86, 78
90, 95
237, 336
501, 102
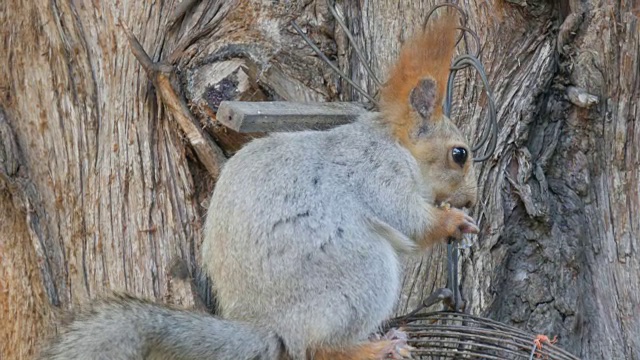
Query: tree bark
99, 189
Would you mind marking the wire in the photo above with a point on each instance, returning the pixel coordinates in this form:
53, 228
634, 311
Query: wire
352, 41
333, 67
490, 133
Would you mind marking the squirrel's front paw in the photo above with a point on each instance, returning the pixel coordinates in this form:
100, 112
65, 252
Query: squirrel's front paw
458, 223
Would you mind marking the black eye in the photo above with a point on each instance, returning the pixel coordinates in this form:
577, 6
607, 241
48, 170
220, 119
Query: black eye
459, 155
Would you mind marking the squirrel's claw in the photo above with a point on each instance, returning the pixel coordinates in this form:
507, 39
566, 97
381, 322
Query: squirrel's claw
396, 334
469, 226
398, 347
460, 223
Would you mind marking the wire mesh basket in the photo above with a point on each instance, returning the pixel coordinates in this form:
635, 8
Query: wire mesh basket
455, 335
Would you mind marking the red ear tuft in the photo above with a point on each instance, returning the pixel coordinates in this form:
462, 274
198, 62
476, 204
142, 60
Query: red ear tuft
427, 55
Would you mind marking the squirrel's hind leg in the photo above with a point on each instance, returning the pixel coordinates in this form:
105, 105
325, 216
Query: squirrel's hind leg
374, 350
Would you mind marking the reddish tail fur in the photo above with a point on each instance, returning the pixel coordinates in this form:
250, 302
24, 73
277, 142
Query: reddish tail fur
367, 351
426, 55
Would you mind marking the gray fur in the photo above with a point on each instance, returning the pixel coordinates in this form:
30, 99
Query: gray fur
303, 232
125, 328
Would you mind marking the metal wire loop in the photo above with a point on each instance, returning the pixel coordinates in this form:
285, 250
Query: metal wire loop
490, 132
462, 13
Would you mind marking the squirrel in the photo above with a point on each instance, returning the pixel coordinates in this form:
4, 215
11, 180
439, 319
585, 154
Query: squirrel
305, 232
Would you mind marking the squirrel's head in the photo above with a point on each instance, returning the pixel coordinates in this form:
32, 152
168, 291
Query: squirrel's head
411, 104
440, 148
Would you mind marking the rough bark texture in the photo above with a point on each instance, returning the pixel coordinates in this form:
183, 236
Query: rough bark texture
25, 311
99, 190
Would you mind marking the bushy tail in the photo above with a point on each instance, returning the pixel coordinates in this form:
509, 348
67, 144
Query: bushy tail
124, 328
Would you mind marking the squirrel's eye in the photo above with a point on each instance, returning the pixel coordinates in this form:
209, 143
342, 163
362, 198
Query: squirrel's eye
459, 155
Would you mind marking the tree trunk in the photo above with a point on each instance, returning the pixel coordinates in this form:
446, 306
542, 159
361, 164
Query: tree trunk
100, 190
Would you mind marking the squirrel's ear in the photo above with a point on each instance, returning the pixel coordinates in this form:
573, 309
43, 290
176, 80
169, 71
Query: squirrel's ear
423, 101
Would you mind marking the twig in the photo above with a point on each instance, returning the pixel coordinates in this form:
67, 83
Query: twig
160, 74
181, 9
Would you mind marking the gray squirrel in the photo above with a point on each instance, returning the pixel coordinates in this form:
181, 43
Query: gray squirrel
305, 231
